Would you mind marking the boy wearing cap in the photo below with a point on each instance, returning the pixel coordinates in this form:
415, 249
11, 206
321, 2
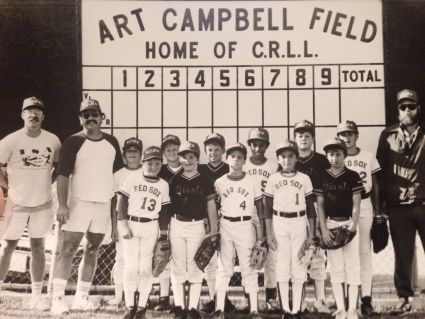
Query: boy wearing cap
143, 204
240, 198
30, 155
261, 168
85, 186
310, 162
364, 163
132, 154
338, 204
289, 204
192, 200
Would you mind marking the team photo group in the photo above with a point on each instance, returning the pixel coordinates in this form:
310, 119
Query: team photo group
294, 216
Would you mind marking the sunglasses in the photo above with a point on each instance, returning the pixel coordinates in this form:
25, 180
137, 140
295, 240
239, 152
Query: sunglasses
411, 107
86, 115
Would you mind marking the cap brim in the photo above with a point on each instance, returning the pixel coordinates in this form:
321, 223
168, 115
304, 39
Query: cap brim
280, 150
152, 157
230, 150
304, 129
34, 106
126, 147
334, 146
187, 151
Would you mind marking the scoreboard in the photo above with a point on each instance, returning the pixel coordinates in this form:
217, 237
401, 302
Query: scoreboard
193, 67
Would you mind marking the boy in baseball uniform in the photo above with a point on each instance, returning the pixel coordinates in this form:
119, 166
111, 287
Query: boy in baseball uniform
310, 162
261, 168
143, 199
366, 164
289, 204
240, 198
338, 204
132, 154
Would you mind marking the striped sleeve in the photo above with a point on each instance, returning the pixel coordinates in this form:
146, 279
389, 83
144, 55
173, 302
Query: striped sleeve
165, 200
269, 190
308, 189
374, 165
357, 184
125, 187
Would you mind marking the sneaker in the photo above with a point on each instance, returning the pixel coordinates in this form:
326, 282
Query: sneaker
131, 313
228, 306
287, 315
140, 313
163, 305
115, 302
403, 308
193, 314
209, 307
273, 306
179, 313
366, 307
254, 315
321, 307
218, 314
40, 303
59, 306
83, 303
339, 314
352, 314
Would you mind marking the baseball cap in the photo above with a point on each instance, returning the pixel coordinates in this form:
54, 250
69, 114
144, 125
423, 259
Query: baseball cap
188, 146
215, 138
347, 126
170, 138
152, 152
258, 134
132, 142
303, 126
286, 145
239, 147
33, 102
407, 94
335, 143
89, 104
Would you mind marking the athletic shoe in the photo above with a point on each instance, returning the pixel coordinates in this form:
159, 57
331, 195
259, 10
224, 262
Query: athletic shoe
218, 314
254, 315
209, 307
366, 306
273, 306
287, 315
163, 305
403, 308
340, 314
179, 313
321, 307
83, 303
193, 314
116, 302
140, 313
59, 306
131, 313
228, 306
40, 303
296, 315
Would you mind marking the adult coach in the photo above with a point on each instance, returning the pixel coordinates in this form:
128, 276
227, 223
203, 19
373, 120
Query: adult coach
87, 162
30, 154
401, 154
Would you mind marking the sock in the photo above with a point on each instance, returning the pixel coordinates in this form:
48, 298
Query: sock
1, 284
270, 293
219, 302
118, 291
59, 287
253, 301
83, 288
164, 287
297, 293
178, 293
194, 295
353, 291
338, 291
36, 288
284, 295
211, 288
319, 287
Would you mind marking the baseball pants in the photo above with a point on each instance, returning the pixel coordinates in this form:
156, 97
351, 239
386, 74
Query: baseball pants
365, 225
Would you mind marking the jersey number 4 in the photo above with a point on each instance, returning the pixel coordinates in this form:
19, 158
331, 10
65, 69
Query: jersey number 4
151, 204
243, 205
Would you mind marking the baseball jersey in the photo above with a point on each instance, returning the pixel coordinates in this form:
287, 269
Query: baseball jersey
122, 174
167, 173
145, 195
261, 172
366, 164
289, 191
91, 164
214, 172
238, 195
29, 166
338, 191
189, 195
312, 164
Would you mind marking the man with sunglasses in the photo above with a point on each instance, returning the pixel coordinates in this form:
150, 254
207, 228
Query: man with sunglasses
401, 154
30, 154
87, 162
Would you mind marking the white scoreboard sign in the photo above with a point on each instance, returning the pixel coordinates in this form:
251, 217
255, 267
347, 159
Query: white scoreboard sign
193, 67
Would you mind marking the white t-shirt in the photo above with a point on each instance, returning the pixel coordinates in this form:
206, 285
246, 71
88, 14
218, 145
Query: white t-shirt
121, 175
289, 191
260, 172
237, 196
29, 166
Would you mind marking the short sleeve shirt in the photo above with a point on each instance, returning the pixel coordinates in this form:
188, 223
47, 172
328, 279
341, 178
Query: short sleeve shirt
167, 173
261, 172
121, 175
312, 165
212, 172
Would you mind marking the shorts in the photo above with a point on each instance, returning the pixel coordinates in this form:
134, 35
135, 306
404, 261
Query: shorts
85, 216
39, 220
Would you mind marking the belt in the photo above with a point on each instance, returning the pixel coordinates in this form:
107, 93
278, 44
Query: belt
237, 219
289, 214
365, 195
141, 219
186, 219
339, 219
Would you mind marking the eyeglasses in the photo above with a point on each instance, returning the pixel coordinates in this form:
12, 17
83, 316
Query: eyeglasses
411, 107
87, 114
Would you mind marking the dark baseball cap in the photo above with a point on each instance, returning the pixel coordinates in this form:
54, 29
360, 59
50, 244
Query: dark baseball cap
258, 134
236, 147
335, 143
133, 142
90, 104
347, 126
407, 94
152, 152
215, 138
170, 138
286, 145
33, 103
188, 146
304, 126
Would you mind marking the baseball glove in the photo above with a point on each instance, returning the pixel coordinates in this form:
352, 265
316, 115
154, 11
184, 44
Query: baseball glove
161, 256
379, 233
259, 254
341, 237
306, 252
206, 251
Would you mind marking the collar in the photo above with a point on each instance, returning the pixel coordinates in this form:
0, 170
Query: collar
289, 174
236, 178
